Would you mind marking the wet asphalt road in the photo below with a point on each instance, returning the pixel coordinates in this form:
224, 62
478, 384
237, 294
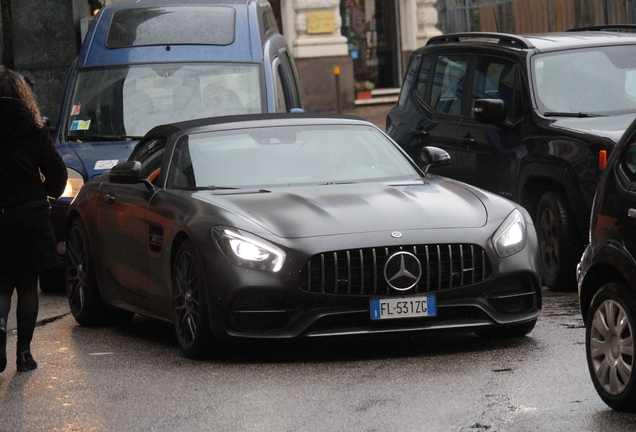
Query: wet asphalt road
134, 378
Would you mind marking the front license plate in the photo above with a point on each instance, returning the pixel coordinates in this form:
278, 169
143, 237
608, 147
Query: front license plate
403, 307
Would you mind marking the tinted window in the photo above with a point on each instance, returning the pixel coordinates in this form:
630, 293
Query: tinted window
422, 77
494, 78
169, 26
448, 84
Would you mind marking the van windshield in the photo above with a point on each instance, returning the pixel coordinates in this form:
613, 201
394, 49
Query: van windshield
128, 101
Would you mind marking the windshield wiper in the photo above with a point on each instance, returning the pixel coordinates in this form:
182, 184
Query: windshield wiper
84, 138
571, 114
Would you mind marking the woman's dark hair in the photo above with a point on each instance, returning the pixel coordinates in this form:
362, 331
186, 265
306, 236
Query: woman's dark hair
13, 85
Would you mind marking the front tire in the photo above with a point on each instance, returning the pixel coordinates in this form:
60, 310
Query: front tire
82, 290
557, 242
191, 321
609, 346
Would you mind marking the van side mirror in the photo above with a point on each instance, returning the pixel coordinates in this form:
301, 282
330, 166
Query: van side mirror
434, 156
489, 110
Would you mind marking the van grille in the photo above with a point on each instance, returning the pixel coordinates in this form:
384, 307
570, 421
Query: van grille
361, 271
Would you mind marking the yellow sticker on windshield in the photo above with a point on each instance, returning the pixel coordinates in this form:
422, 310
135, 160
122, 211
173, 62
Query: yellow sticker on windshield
80, 125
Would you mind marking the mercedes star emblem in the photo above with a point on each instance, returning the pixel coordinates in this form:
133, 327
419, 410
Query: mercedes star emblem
402, 271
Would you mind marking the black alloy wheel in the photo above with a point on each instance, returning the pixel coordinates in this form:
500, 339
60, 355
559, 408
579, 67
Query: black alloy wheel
82, 290
609, 346
190, 307
557, 242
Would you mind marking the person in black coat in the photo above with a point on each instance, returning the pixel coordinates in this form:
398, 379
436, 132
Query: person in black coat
31, 170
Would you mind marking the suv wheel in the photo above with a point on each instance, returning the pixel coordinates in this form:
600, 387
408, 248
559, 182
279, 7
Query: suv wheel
609, 332
557, 241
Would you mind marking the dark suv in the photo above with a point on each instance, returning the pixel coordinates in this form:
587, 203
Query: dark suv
531, 118
607, 280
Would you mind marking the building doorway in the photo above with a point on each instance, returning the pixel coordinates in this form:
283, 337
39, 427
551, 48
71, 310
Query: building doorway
372, 31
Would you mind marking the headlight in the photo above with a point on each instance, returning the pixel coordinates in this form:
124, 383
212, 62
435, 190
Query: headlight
248, 251
511, 236
73, 184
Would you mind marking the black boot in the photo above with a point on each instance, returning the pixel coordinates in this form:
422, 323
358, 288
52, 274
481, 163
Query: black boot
3, 344
25, 360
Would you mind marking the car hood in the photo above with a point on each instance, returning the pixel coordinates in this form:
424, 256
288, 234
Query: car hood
611, 127
95, 158
309, 211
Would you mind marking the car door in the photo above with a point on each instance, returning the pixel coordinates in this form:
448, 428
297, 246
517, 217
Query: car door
485, 151
625, 205
123, 229
432, 107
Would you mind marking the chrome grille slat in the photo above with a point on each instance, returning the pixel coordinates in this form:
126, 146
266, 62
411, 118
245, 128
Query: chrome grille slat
361, 271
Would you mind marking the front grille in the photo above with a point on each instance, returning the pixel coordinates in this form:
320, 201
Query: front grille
361, 271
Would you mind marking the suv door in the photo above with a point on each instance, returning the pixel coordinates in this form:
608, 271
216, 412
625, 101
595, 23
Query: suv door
434, 106
484, 149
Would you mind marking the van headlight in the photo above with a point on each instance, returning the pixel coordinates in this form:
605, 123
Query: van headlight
248, 251
74, 183
511, 236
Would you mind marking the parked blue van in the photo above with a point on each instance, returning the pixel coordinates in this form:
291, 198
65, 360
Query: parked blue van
147, 63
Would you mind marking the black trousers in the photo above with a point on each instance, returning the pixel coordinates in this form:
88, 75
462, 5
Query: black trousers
26, 286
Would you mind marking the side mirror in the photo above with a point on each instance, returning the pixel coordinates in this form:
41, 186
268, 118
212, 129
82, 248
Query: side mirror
126, 173
489, 110
434, 156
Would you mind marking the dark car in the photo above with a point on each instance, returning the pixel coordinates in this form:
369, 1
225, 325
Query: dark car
531, 118
295, 225
147, 63
607, 280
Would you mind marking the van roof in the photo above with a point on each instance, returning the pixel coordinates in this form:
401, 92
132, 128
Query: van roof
156, 45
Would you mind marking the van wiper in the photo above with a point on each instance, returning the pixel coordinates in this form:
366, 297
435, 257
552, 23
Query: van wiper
571, 114
97, 138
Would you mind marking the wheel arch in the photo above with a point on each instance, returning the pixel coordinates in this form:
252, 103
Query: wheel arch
536, 179
611, 263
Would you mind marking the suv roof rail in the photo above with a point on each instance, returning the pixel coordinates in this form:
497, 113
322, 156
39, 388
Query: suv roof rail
502, 38
604, 27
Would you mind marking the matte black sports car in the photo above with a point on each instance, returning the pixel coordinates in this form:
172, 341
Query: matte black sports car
296, 225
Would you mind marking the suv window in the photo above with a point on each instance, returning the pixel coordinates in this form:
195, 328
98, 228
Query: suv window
495, 78
448, 84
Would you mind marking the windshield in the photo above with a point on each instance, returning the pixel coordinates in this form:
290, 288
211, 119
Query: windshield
288, 155
596, 81
128, 101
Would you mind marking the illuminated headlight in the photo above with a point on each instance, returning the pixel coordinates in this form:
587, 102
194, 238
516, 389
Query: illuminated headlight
248, 251
510, 237
73, 184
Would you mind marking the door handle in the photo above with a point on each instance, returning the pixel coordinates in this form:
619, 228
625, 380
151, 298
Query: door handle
109, 198
631, 213
419, 133
468, 140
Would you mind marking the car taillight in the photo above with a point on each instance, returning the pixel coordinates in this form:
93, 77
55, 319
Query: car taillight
602, 159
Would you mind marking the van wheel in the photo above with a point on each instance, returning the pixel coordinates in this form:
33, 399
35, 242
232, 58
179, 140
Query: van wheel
557, 242
609, 347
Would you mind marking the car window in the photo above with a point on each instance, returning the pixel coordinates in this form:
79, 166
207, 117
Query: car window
629, 161
281, 156
598, 80
448, 84
422, 78
495, 78
281, 100
131, 100
150, 154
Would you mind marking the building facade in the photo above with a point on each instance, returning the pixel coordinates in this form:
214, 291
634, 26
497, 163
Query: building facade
340, 46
